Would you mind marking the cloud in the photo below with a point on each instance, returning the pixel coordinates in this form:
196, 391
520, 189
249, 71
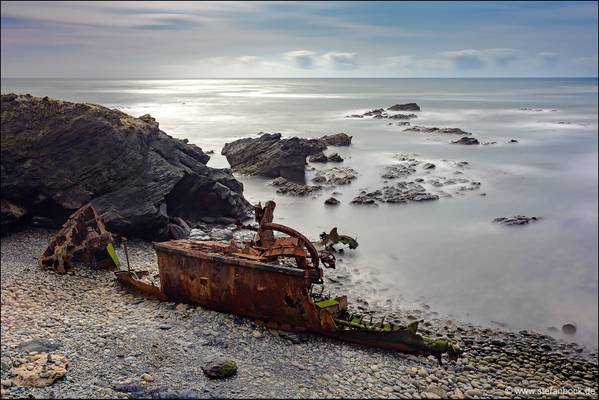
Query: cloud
477, 59
304, 59
341, 61
399, 61
466, 59
502, 57
548, 57
307, 59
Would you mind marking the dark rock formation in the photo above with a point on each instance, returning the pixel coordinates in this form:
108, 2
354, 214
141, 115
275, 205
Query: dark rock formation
335, 176
429, 166
335, 158
512, 141
403, 116
338, 139
318, 158
293, 189
372, 113
331, 201
398, 193
271, 156
405, 107
448, 131
466, 140
515, 220
58, 156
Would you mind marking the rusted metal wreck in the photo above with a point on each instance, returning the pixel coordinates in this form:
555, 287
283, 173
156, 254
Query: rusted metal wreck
270, 279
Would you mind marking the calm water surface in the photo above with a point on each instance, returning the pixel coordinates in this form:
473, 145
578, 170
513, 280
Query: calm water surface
445, 253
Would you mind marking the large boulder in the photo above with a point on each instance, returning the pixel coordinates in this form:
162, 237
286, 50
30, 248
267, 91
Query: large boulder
405, 107
271, 156
338, 139
58, 156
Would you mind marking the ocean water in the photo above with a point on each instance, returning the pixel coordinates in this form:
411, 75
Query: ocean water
446, 253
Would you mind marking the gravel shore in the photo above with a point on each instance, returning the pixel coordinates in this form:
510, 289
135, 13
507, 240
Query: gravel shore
112, 337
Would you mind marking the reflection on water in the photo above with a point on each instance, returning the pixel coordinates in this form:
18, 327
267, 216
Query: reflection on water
446, 253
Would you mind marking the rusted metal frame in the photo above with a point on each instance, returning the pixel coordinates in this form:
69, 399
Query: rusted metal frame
167, 247
71, 241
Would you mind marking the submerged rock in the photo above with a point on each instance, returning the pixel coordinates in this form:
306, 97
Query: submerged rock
292, 188
403, 116
335, 176
515, 220
398, 193
271, 156
405, 107
57, 156
400, 170
338, 139
466, 140
512, 141
569, 328
331, 201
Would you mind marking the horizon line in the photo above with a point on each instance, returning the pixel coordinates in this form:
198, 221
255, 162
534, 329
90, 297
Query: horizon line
318, 77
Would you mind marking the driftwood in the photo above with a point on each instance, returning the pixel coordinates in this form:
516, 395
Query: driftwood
81, 237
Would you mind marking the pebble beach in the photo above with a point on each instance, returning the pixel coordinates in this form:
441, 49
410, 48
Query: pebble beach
120, 345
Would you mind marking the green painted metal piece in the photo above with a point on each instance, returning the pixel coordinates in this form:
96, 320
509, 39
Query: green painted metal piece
112, 253
326, 303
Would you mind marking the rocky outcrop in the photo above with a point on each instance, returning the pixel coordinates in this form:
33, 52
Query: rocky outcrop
398, 193
338, 139
292, 188
515, 220
405, 107
447, 131
318, 158
58, 156
271, 156
466, 140
335, 176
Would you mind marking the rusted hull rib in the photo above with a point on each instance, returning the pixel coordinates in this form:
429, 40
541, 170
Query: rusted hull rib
129, 279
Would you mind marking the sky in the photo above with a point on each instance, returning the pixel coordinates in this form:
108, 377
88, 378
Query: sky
172, 40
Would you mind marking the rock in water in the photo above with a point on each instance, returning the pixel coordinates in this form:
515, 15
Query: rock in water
58, 156
444, 131
515, 220
271, 156
318, 158
466, 140
331, 201
569, 328
335, 158
405, 107
220, 367
338, 139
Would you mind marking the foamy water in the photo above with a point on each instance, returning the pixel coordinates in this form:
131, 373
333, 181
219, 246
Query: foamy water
445, 253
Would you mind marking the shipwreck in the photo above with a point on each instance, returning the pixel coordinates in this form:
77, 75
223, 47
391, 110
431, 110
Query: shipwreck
270, 279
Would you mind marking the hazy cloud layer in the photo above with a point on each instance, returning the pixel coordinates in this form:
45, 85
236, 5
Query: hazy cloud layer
303, 39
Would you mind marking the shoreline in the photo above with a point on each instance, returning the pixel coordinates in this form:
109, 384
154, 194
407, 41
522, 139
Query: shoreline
112, 337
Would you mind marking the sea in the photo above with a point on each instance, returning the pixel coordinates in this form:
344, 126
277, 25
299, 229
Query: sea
447, 255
